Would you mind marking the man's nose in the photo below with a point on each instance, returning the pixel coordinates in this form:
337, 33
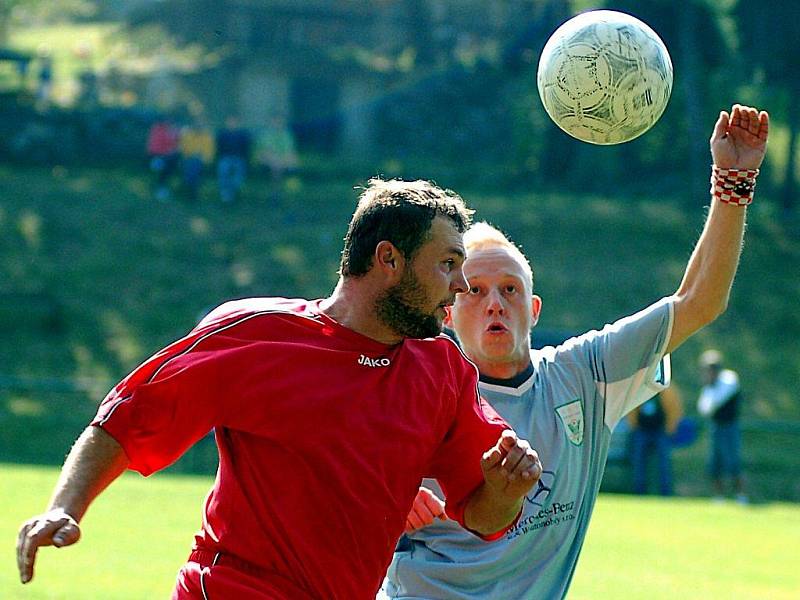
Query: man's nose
459, 284
494, 303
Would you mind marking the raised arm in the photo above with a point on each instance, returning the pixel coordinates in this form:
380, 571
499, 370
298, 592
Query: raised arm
94, 462
738, 145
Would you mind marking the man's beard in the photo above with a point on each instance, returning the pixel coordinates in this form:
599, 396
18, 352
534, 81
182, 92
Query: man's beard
398, 308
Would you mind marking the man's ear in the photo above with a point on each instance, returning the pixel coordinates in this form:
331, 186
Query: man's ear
536, 309
389, 260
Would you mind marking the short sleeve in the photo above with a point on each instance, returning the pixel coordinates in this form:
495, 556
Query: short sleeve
475, 429
164, 406
626, 359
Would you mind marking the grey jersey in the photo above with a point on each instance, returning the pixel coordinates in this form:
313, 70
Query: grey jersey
567, 407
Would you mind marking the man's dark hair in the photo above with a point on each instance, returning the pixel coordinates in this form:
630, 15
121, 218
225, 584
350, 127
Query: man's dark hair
400, 212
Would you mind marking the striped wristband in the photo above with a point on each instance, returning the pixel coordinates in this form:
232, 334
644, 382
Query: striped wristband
733, 186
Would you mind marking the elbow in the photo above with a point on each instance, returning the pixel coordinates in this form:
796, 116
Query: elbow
715, 311
704, 310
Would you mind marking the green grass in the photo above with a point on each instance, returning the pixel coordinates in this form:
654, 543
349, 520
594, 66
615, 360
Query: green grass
653, 549
137, 534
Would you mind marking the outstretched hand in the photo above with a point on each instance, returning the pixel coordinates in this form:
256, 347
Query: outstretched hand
426, 509
511, 467
53, 528
739, 140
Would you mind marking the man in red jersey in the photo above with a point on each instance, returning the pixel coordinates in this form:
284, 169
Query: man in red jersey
326, 413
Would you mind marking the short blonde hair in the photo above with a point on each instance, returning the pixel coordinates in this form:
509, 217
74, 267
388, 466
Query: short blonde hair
483, 236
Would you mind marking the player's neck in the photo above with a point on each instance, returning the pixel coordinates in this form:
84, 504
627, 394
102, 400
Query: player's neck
503, 370
352, 305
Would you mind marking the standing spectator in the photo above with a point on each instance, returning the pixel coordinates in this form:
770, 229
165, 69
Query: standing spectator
719, 401
233, 154
275, 149
652, 424
44, 86
162, 148
197, 152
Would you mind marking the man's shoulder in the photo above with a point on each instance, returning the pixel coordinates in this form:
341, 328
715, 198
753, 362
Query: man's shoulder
728, 378
246, 307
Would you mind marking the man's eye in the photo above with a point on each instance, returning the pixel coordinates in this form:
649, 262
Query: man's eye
510, 289
474, 290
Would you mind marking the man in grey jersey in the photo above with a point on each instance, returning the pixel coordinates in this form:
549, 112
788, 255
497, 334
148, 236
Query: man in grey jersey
568, 399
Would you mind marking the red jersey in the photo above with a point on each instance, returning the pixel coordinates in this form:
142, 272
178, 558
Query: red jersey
323, 437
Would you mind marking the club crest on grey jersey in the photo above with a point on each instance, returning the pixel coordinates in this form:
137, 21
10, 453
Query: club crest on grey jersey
572, 417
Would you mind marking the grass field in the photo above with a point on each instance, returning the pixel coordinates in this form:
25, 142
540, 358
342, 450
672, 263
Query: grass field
138, 533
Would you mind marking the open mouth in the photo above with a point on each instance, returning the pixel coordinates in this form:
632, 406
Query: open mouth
496, 328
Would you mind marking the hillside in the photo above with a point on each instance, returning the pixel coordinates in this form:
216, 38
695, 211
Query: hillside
94, 276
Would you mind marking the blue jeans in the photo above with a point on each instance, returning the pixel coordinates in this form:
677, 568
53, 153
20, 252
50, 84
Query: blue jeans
230, 172
725, 450
645, 443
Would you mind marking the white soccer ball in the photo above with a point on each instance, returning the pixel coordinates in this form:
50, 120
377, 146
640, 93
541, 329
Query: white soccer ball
604, 77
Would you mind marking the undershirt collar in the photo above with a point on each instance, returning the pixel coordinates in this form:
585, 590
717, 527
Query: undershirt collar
512, 382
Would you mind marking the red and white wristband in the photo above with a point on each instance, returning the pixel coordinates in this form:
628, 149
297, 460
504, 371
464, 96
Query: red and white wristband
733, 186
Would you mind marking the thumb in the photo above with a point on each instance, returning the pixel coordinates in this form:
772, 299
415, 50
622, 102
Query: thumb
721, 127
66, 535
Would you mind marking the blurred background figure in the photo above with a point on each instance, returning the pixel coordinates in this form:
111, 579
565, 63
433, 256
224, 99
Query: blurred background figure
719, 401
652, 425
162, 149
233, 154
197, 152
276, 150
44, 83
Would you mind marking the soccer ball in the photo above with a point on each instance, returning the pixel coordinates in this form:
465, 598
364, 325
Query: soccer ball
604, 77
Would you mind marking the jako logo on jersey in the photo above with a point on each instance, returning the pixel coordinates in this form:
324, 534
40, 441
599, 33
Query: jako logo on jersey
374, 362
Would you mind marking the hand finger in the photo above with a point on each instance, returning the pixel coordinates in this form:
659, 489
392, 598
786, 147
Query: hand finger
527, 457
533, 466
752, 116
27, 558
736, 115
434, 505
410, 528
491, 458
763, 119
427, 516
414, 520
510, 463
21, 537
67, 535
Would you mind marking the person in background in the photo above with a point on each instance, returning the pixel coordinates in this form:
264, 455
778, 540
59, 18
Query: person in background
233, 154
162, 149
652, 424
275, 149
720, 401
197, 152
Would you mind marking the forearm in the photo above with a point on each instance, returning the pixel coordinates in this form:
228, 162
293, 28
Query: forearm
94, 462
488, 511
706, 285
